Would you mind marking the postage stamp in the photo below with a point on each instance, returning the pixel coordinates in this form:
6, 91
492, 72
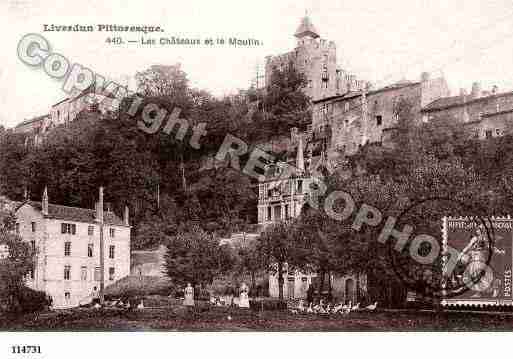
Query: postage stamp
483, 268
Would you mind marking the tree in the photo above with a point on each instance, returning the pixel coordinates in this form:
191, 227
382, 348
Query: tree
16, 261
249, 261
276, 246
195, 256
163, 80
284, 105
319, 245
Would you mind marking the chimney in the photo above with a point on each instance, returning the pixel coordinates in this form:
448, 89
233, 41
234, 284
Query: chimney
495, 89
99, 207
300, 159
476, 90
126, 216
463, 92
44, 202
425, 76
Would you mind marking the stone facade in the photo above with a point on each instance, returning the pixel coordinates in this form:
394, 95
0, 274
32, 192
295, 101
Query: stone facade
67, 110
493, 125
484, 114
361, 117
67, 242
316, 58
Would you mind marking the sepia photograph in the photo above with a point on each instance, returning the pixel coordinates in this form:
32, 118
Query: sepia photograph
283, 167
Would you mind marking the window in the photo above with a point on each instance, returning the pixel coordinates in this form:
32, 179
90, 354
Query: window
68, 228
90, 231
300, 186
286, 211
97, 274
31, 274
67, 272
67, 249
67, 296
17, 228
346, 106
268, 213
497, 132
33, 245
111, 252
379, 120
476, 133
83, 273
33, 225
277, 212
90, 250
111, 273
112, 232
488, 133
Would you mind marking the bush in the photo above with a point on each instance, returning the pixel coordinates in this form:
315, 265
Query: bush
133, 286
267, 304
25, 300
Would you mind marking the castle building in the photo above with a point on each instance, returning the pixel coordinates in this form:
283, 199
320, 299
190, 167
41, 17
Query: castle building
370, 116
67, 110
67, 244
37, 124
484, 114
316, 58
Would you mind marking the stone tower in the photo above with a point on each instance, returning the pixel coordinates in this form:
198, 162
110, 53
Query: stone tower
316, 58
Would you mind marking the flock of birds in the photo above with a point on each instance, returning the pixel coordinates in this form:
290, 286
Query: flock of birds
322, 308
120, 304
319, 308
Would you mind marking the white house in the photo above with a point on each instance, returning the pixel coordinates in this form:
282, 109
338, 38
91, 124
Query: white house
67, 243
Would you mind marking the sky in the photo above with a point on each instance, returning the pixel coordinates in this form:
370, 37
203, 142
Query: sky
379, 41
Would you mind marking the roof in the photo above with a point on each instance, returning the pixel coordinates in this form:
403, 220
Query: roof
353, 94
31, 120
58, 103
306, 28
455, 101
75, 214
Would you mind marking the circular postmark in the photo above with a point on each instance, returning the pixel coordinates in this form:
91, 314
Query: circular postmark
433, 265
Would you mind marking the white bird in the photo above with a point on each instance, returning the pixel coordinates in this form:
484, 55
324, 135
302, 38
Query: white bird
140, 305
328, 308
356, 307
97, 306
301, 306
229, 317
372, 306
346, 307
309, 309
338, 308
321, 310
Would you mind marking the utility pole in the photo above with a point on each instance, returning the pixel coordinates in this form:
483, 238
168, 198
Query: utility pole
102, 248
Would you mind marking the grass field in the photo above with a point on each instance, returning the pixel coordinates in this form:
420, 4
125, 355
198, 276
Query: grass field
234, 319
